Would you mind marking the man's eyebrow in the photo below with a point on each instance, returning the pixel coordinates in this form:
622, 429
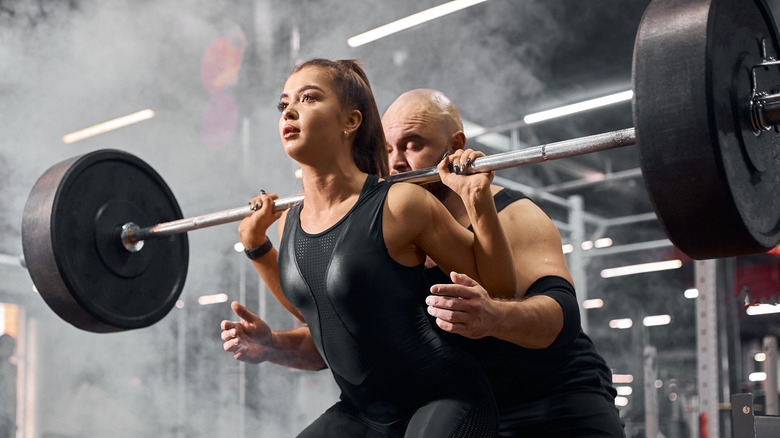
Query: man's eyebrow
302, 89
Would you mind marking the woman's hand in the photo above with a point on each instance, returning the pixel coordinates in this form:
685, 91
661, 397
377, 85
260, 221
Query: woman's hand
252, 229
452, 168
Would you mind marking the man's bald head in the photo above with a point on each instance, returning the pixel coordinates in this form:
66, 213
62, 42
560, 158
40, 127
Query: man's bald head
420, 126
433, 103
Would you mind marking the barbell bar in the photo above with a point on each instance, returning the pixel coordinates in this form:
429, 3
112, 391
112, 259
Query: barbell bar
133, 236
706, 108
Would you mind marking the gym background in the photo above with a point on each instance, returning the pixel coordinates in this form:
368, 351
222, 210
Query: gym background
211, 73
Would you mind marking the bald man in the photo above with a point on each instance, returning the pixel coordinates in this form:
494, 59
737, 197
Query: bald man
541, 365
543, 369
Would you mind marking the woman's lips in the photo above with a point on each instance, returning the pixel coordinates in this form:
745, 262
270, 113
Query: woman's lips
290, 131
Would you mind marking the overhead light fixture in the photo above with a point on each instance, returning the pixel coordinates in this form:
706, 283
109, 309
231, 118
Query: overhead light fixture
624, 390
654, 320
763, 309
578, 107
212, 299
641, 268
238, 247
757, 377
622, 323
593, 304
691, 293
621, 401
567, 248
759, 357
108, 126
411, 21
622, 378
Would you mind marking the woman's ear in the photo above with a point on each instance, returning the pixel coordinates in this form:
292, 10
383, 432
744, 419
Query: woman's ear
354, 119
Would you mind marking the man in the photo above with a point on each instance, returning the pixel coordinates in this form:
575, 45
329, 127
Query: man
545, 373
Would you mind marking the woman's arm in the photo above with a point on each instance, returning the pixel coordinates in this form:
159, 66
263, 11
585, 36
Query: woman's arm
252, 231
416, 223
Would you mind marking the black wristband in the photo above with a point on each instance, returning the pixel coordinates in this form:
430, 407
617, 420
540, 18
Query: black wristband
260, 250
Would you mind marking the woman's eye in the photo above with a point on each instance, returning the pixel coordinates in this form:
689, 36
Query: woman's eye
307, 98
281, 106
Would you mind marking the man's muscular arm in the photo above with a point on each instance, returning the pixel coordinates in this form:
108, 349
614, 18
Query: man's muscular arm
528, 321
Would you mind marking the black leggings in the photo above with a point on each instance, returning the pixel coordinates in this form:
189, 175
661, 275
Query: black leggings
442, 418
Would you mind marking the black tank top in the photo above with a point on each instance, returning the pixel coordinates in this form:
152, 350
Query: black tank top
367, 313
518, 375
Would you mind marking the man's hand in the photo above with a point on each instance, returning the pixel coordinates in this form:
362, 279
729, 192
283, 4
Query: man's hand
464, 307
249, 339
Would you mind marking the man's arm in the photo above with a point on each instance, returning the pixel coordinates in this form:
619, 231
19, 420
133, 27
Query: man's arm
531, 322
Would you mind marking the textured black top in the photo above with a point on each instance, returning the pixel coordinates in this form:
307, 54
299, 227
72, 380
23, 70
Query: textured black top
367, 313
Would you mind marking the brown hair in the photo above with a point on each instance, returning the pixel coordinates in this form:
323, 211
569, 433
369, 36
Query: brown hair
349, 81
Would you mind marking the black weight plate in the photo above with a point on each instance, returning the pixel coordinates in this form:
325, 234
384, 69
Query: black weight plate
712, 181
71, 243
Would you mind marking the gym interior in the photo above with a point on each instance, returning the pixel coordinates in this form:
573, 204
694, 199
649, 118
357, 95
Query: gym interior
191, 87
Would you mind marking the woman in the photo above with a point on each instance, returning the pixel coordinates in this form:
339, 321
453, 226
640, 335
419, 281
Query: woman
351, 265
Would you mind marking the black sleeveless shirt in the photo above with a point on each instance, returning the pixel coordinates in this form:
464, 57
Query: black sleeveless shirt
519, 375
367, 313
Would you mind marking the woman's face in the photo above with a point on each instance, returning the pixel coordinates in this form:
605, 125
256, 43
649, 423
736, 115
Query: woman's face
311, 116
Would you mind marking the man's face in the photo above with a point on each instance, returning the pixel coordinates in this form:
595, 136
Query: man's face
415, 140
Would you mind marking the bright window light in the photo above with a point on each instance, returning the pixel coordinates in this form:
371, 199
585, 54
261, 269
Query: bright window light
760, 357
622, 378
621, 401
642, 268
411, 21
593, 304
691, 293
108, 126
567, 248
212, 299
763, 309
757, 377
604, 242
578, 107
650, 321
624, 390
623, 323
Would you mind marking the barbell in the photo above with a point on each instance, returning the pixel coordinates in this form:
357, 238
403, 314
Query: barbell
105, 241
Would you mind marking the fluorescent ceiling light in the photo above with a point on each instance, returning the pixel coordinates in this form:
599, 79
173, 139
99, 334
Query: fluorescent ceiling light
622, 378
621, 401
642, 268
593, 304
212, 299
691, 293
604, 242
567, 248
578, 107
763, 309
624, 390
411, 21
238, 247
760, 357
108, 126
757, 377
623, 323
650, 321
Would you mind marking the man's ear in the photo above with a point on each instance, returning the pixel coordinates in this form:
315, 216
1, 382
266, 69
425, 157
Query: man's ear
458, 140
354, 119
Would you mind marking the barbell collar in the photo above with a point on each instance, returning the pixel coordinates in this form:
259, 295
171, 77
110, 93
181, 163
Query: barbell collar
765, 112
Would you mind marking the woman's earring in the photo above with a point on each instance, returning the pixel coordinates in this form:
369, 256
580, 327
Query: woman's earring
346, 133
